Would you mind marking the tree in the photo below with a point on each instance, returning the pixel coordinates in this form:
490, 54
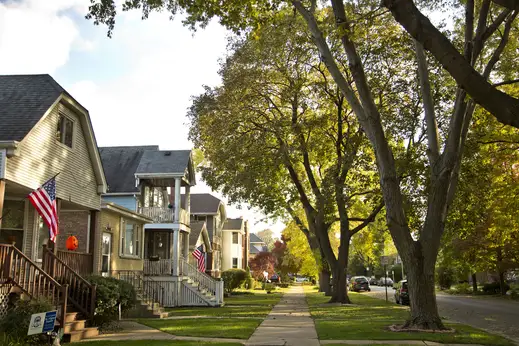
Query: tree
446, 121
268, 237
279, 115
262, 262
286, 263
297, 245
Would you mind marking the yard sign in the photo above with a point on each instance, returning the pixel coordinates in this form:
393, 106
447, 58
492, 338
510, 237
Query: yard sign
42, 322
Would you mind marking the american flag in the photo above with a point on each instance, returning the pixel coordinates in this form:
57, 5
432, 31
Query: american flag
44, 200
200, 258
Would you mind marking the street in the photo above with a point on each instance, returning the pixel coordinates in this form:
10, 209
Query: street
488, 313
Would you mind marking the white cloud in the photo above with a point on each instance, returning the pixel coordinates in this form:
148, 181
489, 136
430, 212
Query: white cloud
35, 37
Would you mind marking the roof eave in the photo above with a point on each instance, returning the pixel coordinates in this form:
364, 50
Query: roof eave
11, 148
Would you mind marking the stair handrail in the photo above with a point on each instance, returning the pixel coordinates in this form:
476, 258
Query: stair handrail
149, 291
12, 272
206, 281
83, 293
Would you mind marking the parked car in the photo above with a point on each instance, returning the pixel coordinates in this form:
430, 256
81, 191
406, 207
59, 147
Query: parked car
373, 281
302, 279
359, 283
401, 293
274, 278
385, 281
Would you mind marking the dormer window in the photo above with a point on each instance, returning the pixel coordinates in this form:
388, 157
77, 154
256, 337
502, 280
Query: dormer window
65, 131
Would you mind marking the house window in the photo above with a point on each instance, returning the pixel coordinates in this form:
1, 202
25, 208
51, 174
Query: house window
235, 237
130, 239
65, 131
235, 262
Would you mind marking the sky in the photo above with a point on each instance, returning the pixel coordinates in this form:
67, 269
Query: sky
137, 85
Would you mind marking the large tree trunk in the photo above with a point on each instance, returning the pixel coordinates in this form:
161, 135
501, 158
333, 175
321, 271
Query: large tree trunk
502, 282
340, 292
422, 298
324, 282
474, 283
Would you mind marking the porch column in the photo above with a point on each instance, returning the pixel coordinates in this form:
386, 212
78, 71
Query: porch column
187, 202
96, 240
177, 200
186, 246
176, 252
2, 195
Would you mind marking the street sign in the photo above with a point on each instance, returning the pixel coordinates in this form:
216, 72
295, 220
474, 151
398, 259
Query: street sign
384, 260
42, 322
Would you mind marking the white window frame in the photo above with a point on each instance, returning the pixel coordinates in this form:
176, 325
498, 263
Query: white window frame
137, 239
61, 139
237, 235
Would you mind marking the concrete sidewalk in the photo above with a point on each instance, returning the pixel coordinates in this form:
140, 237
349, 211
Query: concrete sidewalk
288, 323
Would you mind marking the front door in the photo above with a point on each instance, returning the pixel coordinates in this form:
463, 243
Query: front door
106, 253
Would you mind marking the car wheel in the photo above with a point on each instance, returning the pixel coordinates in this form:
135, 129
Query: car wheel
369, 289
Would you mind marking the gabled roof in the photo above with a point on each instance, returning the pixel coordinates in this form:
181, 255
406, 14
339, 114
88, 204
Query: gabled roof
233, 224
120, 164
256, 249
204, 204
255, 239
24, 99
164, 162
197, 229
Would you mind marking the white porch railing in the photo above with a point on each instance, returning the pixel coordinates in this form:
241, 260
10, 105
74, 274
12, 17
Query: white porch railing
157, 268
210, 284
164, 215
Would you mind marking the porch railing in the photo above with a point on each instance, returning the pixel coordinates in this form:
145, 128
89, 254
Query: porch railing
210, 284
149, 291
19, 270
164, 215
82, 294
157, 268
80, 262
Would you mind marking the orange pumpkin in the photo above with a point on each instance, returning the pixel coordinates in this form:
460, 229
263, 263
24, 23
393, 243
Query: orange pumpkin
72, 243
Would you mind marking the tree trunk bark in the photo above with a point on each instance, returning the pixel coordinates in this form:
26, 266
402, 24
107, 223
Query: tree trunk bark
422, 298
324, 282
474, 283
502, 282
340, 292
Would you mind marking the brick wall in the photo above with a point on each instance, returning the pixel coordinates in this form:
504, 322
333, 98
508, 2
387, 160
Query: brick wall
73, 223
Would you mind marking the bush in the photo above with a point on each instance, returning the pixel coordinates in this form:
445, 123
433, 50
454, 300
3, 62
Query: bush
15, 324
464, 288
110, 293
514, 291
283, 285
249, 280
233, 278
269, 287
446, 277
494, 288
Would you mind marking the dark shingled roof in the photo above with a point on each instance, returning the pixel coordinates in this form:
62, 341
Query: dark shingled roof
233, 224
196, 229
203, 203
24, 99
255, 239
256, 249
164, 161
120, 163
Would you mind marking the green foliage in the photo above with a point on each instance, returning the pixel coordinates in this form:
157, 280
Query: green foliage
463, 288
494, 287
110, 293
16, 322
233, 279
446, 277
269, 287
249, 280
514, 291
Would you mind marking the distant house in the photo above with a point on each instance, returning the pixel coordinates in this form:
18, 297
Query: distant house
256, 245
235, 244
211, 210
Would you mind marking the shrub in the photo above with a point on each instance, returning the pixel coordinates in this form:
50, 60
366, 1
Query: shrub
269, 287
15, 323
283, 285
494, 288
446, 277
249, 280
233, 278
514, 291
110, 293
464, 288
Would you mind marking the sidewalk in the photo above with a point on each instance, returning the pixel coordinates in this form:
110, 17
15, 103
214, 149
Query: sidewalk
289, 323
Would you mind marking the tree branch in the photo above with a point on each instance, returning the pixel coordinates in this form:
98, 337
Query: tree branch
507, 82
369, 219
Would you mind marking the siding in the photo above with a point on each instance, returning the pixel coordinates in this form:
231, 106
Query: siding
118, 263
129, 202
42, 156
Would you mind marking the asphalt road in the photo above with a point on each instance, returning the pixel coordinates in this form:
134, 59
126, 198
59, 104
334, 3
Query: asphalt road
488, 313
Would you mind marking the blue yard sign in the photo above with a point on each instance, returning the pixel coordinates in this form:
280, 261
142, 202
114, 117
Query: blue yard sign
42, 322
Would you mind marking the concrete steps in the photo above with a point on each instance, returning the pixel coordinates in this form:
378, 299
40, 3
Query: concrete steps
75, 329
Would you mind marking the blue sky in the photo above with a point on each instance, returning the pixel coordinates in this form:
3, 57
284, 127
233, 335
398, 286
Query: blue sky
136, 86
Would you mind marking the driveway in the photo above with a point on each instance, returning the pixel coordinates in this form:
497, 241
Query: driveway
488, 313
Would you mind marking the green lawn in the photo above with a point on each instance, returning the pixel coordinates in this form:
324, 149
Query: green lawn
254, 298
236, 328
157, 343
369, 319
226, 311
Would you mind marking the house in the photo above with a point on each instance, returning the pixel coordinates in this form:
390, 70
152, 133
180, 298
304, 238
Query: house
256, 245
46, 133
235, 244
211, 210
148, 181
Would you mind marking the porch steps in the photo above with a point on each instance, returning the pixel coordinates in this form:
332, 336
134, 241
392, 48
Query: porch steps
75, 329
147, 309
203, 293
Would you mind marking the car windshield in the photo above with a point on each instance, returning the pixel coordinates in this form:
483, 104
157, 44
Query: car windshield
361, 280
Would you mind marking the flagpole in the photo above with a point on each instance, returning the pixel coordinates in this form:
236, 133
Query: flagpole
55, 175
